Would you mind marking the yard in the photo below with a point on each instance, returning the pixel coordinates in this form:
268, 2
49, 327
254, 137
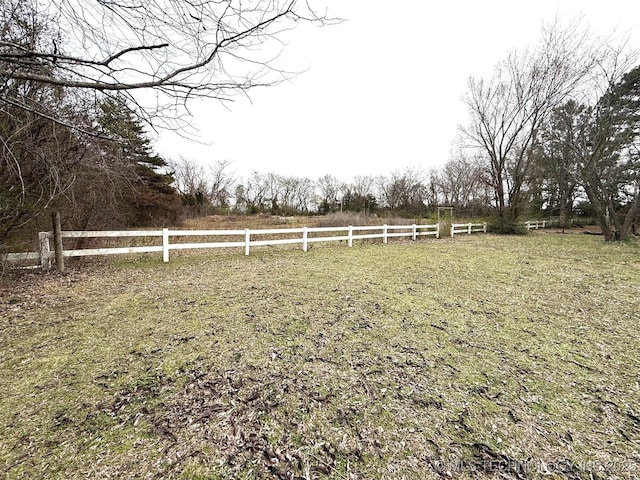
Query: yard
474, 357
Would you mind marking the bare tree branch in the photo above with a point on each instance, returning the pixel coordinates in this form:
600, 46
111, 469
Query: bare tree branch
180, 45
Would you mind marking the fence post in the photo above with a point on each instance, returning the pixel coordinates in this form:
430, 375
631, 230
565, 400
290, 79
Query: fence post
350, 241
438, 230
45, 250
415, 231
544, 222
452, 229
57, 240
484, 227
304, 239
528, 224
384, 233
165, 245
247, 240
469, 228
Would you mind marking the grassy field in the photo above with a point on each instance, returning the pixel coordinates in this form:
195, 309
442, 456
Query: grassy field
477, 357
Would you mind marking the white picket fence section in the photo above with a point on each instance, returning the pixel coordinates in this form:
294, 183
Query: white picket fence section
247, 238
468, 228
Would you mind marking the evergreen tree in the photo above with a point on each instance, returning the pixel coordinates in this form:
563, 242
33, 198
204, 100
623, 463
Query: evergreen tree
598, 149
152, 199
557, 175
609, 157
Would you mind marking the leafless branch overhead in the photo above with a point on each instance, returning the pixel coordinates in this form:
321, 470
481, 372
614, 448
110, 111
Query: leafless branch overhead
183, 47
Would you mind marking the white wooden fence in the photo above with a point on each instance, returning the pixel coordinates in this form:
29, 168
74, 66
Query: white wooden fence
468, 228
536, 224
245, 239
482, 227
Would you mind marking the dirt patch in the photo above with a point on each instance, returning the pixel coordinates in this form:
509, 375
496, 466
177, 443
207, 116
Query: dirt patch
586, 230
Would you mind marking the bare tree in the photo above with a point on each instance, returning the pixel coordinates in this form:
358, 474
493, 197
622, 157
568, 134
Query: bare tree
252, 195
329, 191
433, 191
273, 187
222, 183
364, 185
297, 195
305, 195
460, 183
403, 190
191, 181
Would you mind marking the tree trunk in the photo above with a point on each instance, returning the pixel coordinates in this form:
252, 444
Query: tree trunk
566, 210
627, 225
600, 209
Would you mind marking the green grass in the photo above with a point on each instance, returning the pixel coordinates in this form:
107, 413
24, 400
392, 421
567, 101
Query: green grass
439, 359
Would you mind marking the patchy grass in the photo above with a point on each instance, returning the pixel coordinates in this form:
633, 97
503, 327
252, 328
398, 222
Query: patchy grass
477, 357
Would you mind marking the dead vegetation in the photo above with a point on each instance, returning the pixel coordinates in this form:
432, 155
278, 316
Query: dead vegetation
486, 357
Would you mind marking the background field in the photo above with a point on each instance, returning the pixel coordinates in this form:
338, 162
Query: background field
472, 357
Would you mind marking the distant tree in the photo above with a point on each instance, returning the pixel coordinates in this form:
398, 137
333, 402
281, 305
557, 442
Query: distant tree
222, 183
192, 183
273, 190
305, 196
595, 148
461, 183
329, 191
251, 194
364, 185
353, 200
404, 190
361, 195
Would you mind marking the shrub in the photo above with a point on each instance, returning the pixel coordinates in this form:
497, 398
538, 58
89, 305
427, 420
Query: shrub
506, 227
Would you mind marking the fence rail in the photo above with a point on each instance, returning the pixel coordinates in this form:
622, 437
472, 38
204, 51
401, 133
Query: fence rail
247, 238
468, 228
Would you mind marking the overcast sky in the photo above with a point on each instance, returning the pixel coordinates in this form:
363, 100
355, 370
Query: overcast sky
382, 90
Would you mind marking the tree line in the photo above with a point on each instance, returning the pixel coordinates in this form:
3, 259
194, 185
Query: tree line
412, 191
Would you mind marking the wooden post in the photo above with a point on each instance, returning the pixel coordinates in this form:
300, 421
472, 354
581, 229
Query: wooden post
415, 231
45, 250
469, 228
438, 230
165, 245
57, 240
384, 233
484, 227
305, 243
247, 241
350, 241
